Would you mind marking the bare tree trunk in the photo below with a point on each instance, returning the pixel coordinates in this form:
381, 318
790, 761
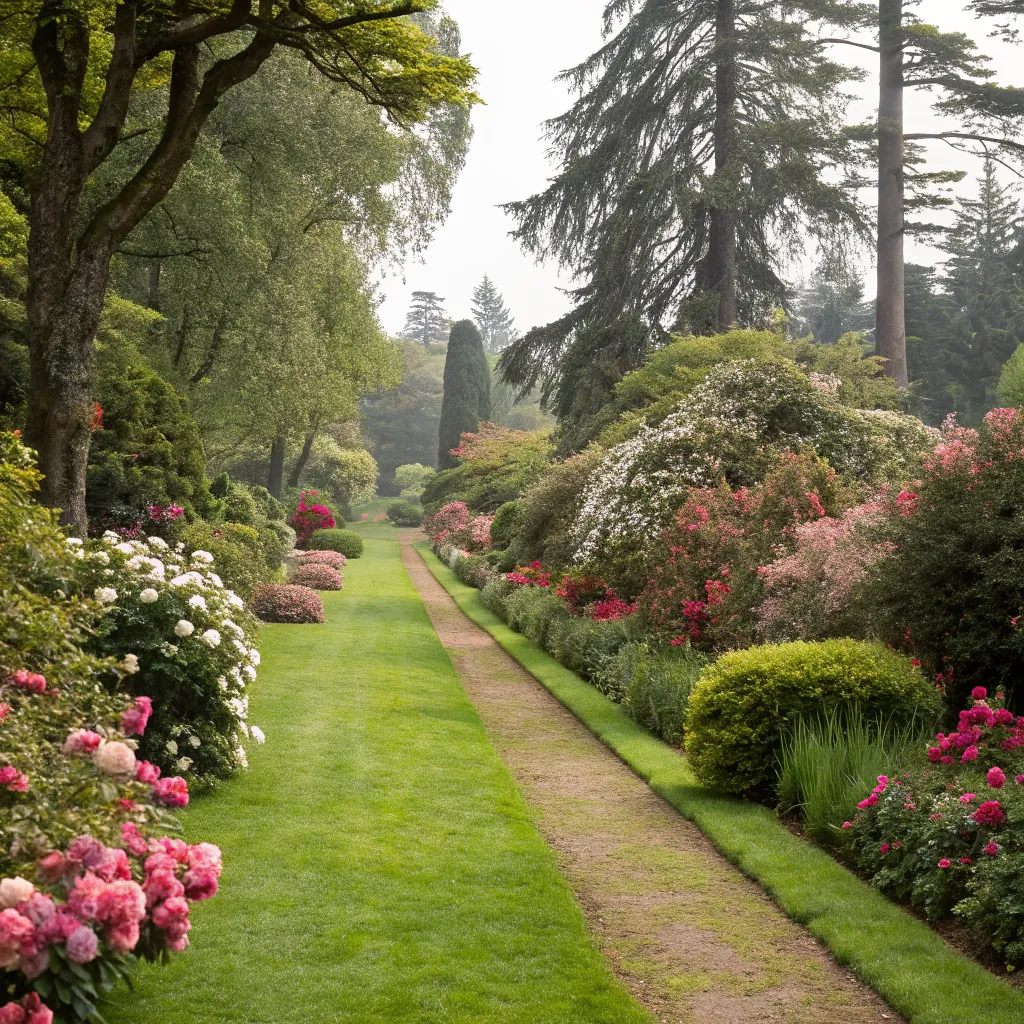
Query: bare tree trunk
300, 465
890, 325
275, 477
722, 249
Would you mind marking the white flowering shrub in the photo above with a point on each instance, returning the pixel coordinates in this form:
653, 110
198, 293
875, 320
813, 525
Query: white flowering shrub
732, 426
193, 649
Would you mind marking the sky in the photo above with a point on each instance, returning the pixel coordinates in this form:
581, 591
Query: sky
519, 51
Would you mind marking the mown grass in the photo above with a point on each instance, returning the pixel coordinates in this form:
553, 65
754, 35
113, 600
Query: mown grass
380, 863
901, 958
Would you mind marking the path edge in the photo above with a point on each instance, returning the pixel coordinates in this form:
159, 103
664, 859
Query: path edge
906, 963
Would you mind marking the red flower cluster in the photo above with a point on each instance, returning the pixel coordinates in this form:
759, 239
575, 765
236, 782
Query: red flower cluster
532, 575
612, 607
580, 591
310, 518
161, 513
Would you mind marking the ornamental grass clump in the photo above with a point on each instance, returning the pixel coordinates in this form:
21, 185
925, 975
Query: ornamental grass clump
317, 576
747, 702
944, 830
195, 644
288, 603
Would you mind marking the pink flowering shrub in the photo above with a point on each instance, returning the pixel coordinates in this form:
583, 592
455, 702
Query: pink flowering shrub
813, 591
335, 559
287, 603
704, 581
947, 834
532, 575
310, 518
952, 590
449, 525
316, 576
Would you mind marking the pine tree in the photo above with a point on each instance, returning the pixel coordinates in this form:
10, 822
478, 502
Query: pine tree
467, 389
426, 321
705, 137
492, 316
831, 304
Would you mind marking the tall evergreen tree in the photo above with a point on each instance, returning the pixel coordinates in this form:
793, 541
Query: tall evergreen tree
467, 389
426, 320
492, 316
916, 55
705, 136
831, 304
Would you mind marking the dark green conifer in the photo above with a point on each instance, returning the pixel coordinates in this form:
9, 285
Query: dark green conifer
467, 389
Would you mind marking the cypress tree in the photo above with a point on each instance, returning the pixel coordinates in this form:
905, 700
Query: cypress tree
705, 137
467, 389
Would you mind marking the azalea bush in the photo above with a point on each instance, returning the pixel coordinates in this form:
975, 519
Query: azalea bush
195, 645
317, 576
288, 603
704, 578
952, 590
310, 518
335, 559
449, 524
946, 832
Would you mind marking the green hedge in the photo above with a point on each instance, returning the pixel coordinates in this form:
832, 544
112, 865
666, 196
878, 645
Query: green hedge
743, 705
347, 542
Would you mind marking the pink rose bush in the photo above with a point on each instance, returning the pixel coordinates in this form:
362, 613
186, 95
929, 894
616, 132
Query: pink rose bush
288, 603
948, 835
317, 576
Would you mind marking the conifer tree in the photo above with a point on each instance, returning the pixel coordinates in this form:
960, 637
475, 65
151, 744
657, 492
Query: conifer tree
705, 137
832, 304
492, 316
467, 389
426, 320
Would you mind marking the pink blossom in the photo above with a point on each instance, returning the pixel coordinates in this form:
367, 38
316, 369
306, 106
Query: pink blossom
81, 741
869, 801
28, 680
200, 885
989, 813
132, 839
979, 693
172, 917
945, 863
39, 908
992, 849
847, 824
162, 884
934, 753
15, 931
59, 926
966, 798
82, 945
966, 860
171, 792
996, 778
15, 781
205, 857
146, 772
884, 848
52, 867
135, 719
969, 754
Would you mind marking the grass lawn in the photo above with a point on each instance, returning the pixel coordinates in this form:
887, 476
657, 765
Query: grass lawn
900, 957
380, 864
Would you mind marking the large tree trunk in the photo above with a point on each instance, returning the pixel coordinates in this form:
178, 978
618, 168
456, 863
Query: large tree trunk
300, 465
275, 477
890, 325
722, 248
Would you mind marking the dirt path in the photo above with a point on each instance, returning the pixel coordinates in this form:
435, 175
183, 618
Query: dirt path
690, 936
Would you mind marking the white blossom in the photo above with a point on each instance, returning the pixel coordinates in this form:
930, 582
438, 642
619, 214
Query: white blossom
131, 664
211, 638
257, 734
171, 748
100, 556
197, 601
194, 741
184, 628
74, 542
125, 548
203, 557
105, 595
148, 596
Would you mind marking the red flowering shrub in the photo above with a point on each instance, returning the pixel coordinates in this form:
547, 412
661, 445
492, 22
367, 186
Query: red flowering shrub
704, 580
952, 590
310, 518
335, 559
948, 835
532, 575
286, 603
611, 607
581, 589
317, 576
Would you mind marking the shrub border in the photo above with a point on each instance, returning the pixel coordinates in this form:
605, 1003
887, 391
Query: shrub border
914, 970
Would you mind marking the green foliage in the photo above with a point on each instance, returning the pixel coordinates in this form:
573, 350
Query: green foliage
411, 478
495, 594
492, 316
147, 452
1011, 380
586, 646
348, 476
744, 705
827, 765
653, 685
473, 570
535, 612
508, 521
237, 550
404, 513
346, 542
467, 389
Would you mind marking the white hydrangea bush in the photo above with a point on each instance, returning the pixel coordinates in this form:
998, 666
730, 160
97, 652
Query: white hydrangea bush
731, 426
194, 646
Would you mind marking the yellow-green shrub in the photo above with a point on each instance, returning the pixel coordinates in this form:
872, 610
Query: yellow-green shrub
746, 701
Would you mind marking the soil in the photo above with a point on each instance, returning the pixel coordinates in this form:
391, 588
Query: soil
692, 938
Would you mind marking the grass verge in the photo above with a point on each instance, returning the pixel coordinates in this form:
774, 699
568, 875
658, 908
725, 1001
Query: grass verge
380, 863
901, 958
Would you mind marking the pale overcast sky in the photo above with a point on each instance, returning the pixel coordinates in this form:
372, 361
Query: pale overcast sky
519, 53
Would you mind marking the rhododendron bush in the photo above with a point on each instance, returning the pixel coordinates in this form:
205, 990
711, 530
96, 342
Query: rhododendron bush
310, 518
453, 525
85, 886
194, 644
952, 591
704, 583
317, 576
948, 834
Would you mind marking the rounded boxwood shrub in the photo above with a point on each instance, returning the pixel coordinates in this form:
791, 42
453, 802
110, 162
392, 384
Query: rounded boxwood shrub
317, 576
745, 702
288, 603
404, 513
347, 542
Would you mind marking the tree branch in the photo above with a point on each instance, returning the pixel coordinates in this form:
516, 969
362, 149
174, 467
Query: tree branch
848, 42
968, 137
195, 30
